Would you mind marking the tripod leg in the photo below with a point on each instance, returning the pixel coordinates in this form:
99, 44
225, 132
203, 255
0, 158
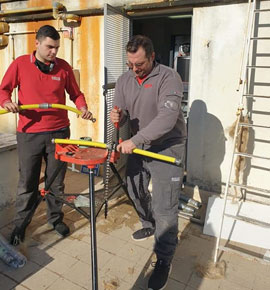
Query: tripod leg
92, 221
120, 180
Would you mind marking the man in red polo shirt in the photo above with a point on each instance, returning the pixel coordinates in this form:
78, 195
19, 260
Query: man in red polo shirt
41, 77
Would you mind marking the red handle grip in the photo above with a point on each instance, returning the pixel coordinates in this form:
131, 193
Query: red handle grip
116, 124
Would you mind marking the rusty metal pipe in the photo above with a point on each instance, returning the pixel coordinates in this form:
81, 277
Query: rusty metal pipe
24, 11
29, 32
27, 18
49, 15
5, 1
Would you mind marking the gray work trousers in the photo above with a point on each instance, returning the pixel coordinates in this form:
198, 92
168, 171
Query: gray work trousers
159, 210
32, 148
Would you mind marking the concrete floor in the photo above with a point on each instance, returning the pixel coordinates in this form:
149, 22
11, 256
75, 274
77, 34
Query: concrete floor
55, 263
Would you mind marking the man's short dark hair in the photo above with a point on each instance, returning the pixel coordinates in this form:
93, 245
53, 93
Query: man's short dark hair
138, 41
47, 31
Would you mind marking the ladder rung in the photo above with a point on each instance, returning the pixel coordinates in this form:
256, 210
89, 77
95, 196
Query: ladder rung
252, 125
261, 10
259, 38
255, 96
249, 187
251, 155
248, 220
245, 255
258, 66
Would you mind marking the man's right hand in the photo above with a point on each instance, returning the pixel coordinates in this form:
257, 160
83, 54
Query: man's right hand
11, 107
115, 115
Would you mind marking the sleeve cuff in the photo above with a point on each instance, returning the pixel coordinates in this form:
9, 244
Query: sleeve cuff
4, 102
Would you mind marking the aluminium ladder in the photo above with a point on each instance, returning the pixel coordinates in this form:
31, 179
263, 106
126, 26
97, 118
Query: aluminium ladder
244, 83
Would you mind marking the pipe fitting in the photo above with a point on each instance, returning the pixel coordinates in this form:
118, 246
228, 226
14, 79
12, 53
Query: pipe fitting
3, 41
56, 7
66, 17
44, 106
63, 16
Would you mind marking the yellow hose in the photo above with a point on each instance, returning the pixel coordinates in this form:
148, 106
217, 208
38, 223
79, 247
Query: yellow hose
47, 106
68, 108
103, 145
23, 107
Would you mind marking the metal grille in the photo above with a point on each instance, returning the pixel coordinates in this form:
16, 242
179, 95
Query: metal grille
110, 130
116, 36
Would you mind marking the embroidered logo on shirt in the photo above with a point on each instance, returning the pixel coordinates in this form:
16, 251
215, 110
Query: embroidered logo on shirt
148, 86
56, 78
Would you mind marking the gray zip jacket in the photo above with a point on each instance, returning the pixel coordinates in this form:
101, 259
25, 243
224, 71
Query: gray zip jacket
154, 107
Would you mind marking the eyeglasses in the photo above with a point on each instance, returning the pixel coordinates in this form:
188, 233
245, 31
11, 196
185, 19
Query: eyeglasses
137, 65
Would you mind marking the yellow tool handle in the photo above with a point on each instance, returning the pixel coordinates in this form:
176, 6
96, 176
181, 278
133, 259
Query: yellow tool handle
48, 106
105, 146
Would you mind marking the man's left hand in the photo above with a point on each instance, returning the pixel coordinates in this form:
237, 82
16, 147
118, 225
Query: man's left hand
126, 147
87, 115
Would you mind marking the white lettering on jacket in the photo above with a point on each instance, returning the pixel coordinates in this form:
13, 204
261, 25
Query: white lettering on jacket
56, 78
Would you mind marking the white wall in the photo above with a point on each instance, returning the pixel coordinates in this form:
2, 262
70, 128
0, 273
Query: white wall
218, 35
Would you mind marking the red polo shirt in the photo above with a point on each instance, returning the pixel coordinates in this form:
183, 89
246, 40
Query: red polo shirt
36, 87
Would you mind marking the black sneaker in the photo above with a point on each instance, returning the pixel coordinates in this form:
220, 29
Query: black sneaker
17, 236
62, 229
143, 234
159, 278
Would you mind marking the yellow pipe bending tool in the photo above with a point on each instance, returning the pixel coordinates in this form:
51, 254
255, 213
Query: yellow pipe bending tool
106, 146
90, 143
48, 106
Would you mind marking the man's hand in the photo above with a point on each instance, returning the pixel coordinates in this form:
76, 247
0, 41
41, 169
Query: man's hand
11, 107
87, 115
126, 147
116, 115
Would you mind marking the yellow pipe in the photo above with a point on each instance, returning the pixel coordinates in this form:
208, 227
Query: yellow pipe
103, 145
80, 142
156, 156
91, 143
48, 106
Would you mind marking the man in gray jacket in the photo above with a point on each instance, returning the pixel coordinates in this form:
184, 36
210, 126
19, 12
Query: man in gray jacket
149, 94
